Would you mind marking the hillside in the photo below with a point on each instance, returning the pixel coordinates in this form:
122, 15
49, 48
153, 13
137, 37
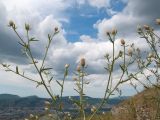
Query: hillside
143, 106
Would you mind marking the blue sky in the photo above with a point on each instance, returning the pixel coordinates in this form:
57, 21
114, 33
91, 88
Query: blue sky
83, 17
83, 25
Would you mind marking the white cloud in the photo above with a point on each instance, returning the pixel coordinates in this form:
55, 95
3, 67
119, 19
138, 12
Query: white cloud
137, 12
99, 3
45, 15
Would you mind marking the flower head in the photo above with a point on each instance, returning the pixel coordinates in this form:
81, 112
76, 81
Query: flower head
93, 109
75, 79
122, 41
108, 33
31, 116
82, 62
114, 32
11, 23
46, 109
151, 55
78, 68
158, 21
47, 103
66, 66
56, 29
130, 52
146, 27
27, 27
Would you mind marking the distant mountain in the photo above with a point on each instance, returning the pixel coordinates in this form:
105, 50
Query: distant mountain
8, 96
8, 100
13, 107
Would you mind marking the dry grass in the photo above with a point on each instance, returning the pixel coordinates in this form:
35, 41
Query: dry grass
142, 106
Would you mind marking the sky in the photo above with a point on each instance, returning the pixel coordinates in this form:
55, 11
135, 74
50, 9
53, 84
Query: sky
82, 25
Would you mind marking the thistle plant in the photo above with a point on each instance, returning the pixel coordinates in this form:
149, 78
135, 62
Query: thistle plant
152, 62
121, 60
127, 55
42, 70
80, 82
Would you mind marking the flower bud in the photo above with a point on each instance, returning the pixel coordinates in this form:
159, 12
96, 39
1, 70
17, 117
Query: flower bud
114, 32
151, 55
56, 29
11, 23
69, 114
82, 62
27, 27
138, 50
31, 116
103, 113
36, 117
50, 115
130, 52
46, 109
78, 68
122, 41
120, 53
158, 65
146, 27
107, 55
108, 33
93, 109
47, 103
66, 66
158, 21
75, 79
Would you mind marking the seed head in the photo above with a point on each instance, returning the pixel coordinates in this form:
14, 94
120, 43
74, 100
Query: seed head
82, 62
158, 21
27, 27
146, 27
122, 41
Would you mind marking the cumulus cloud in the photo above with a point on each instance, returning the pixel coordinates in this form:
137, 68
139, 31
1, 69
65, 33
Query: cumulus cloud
137, 12
45, 16
42, 23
